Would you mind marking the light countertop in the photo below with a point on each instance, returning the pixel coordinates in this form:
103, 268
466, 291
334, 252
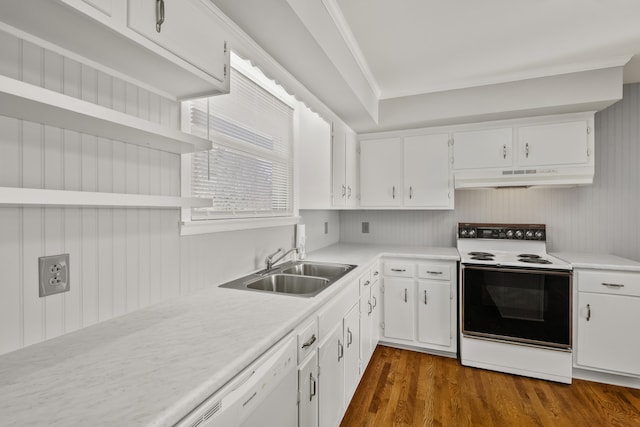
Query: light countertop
598, 261
152, 366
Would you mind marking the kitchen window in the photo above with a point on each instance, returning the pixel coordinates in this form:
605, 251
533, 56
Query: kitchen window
248, 173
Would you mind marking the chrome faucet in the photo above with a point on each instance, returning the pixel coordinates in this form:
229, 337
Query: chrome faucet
270, 262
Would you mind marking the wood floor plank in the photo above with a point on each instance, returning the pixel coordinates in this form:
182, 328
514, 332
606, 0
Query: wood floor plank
405, 388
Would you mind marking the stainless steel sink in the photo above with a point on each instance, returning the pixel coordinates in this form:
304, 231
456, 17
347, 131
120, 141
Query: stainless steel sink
300, 278
316, 269
289, 284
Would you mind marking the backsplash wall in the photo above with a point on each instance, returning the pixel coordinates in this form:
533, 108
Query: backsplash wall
597, 218
121, 260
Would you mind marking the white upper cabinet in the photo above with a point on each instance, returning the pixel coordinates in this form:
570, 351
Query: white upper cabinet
381, 172
481, 149
411, 172
188, 30
344, 168
553, 144
313, 138
186, 59
426, 171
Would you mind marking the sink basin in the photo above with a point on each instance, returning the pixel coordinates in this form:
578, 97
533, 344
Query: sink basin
316, 269
297, 278
289, 284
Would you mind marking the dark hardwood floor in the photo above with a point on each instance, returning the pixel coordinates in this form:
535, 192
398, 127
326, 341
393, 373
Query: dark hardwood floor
406, 388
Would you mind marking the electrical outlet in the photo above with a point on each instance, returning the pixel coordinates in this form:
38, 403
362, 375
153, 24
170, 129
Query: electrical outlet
365, 227
326, 228
54, 274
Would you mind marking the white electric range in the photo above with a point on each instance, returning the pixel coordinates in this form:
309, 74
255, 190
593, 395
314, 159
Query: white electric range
515, 302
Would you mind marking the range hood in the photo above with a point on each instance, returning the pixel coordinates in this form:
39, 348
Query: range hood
559, 175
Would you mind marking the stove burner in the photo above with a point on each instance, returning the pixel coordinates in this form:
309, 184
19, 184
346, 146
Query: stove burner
481, 254
532, 256
535, 260
483, 258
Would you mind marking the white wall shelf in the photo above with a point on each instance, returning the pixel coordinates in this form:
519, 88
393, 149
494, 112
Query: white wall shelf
35, 104
11, 196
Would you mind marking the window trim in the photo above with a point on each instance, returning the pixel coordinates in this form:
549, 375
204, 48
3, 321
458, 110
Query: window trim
188, 226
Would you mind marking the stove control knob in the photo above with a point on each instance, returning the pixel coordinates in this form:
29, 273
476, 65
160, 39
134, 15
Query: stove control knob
519, 234
529, 234
539, 235
464, 232
472, 233
509, 234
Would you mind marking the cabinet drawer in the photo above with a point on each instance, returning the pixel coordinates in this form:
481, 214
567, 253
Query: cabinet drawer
307, 338
609, 282
434, 271
398, 269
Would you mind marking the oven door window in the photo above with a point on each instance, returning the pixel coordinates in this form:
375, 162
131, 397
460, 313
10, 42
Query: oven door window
530, 306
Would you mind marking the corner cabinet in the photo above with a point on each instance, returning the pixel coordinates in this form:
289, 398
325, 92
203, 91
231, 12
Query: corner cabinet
410, 172
420, 304
157, 43
608, 309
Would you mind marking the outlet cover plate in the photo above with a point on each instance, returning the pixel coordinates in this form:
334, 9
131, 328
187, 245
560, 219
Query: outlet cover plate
54, 274
365, 227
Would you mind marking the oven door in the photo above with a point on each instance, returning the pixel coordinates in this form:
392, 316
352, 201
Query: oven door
531, 306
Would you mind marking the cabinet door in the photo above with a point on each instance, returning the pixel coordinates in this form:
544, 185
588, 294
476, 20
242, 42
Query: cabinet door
399, 308
604, 337
338, 168
483, 149
351, 352
375, 318
351, 166
426, 171
190, 31
366, 323
314, 159
434, 312
308, 392
331, 378
554, 144
381, 172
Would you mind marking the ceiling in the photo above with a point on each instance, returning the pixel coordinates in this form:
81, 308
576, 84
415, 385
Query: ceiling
374, 62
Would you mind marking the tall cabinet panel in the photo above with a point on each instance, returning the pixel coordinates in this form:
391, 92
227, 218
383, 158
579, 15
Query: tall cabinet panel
314, 159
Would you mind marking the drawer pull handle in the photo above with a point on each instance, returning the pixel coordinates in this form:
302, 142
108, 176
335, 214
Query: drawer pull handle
375, 273
310, 342
399, 270
367, 283
613, 285
434, 272
588, 312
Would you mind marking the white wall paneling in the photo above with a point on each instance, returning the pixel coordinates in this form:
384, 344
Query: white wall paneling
314, 221
120, 259
596, 218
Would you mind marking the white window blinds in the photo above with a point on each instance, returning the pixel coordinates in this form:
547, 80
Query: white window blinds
248, 173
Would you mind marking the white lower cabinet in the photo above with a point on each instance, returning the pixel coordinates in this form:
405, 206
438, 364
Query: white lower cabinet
608, 309
331, 377
419, 304
369, 315
434, 312
399, 308
351, 334
308, 392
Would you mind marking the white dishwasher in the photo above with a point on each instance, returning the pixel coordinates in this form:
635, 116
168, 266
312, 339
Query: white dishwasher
264, 394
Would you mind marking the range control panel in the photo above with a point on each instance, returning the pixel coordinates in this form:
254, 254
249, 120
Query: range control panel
502, 231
